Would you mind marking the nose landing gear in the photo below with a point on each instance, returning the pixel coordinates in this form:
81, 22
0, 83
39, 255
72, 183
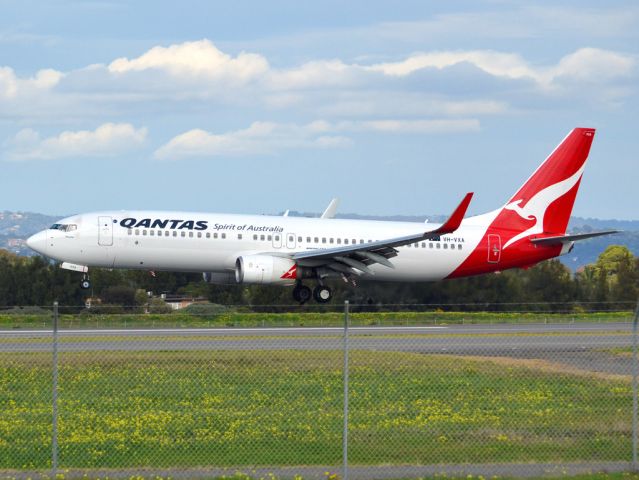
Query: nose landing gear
85, 284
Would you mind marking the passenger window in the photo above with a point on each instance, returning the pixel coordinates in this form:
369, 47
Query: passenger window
190, 234
144, 232
224, 235
339, 241
330, 240
262, 237
183, 233
316, 239
215, 235
137, 232
270, 238
346, 241
430, 245
130, 231
445, 246
277, 238
174, 233
152, 232
354, 241
459, 246
323, 239
166, 233
361, 240
208, 234
199, 234
438, 245
291, 238
254, 237
239, 236
308, 239
299, 239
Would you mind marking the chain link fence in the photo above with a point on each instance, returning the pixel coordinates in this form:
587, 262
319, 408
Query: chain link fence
394, 395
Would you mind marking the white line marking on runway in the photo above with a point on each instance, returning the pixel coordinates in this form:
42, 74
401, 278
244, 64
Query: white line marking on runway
216, 330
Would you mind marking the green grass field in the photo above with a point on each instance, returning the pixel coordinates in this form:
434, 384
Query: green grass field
296, 318
222, 408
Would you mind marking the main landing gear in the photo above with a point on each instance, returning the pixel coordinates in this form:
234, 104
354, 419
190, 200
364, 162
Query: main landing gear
85, 283
321, 293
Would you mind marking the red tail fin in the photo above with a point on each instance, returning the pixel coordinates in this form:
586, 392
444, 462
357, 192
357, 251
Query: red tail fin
555, 183
548, 195
541, 207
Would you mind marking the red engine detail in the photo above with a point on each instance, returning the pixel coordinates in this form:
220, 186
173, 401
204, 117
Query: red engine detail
265, 269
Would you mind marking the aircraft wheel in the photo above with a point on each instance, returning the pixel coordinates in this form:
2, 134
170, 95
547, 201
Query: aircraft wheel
302, 294
322, 294
85, 284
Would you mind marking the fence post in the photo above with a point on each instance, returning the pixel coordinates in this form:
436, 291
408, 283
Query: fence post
54, 426
635, 375
346, 366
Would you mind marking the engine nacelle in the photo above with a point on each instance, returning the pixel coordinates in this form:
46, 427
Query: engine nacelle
219, 278
265, 269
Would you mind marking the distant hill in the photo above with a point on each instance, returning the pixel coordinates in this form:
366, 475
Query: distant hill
16, 227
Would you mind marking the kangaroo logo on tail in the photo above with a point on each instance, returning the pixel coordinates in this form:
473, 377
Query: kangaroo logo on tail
535, 208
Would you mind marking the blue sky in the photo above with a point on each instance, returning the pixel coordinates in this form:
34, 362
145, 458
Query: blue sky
257, 107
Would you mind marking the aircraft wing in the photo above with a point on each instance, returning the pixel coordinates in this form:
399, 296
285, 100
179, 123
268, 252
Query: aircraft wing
561, 239
356, 258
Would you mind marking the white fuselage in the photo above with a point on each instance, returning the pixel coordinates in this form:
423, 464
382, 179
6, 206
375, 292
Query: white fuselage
208, 242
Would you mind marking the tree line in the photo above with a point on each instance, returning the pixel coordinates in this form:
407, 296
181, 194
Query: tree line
612, 282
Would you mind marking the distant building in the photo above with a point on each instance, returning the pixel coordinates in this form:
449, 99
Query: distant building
178, 302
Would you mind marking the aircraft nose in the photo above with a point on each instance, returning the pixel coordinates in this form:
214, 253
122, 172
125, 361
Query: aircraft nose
38, 242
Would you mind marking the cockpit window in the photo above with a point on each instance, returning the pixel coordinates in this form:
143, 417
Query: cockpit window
64, 227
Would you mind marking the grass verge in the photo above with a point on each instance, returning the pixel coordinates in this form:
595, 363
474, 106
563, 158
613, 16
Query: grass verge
230, 408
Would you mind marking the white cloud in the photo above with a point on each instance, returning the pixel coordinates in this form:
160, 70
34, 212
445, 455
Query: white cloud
494, 63
106, 140
262, 138
593, 65
411, 126
200, 59
188, 77
11, 85
587, 64
258, 139
317, 74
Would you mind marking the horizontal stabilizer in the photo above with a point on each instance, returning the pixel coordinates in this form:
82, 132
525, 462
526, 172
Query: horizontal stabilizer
561, 239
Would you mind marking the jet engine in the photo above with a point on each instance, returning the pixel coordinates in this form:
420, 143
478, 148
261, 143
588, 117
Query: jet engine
265, 269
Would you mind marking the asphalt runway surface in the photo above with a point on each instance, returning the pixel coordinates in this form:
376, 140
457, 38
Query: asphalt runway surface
582, 346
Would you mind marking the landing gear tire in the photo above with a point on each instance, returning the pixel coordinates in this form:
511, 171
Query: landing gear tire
322, 294
85, 284
302, 294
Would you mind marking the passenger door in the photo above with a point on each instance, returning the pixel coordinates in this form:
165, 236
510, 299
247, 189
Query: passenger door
105, 231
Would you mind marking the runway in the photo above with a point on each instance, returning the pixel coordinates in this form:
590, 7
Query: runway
468, 329
584, 346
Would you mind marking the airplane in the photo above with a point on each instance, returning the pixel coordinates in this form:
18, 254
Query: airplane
292, 251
